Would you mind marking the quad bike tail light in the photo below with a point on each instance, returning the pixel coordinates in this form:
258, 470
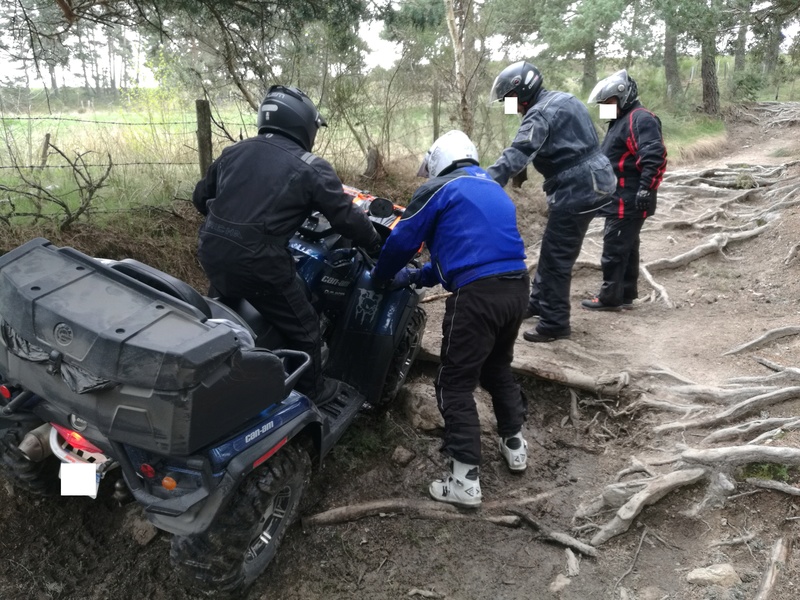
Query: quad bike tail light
76, 440
5, 392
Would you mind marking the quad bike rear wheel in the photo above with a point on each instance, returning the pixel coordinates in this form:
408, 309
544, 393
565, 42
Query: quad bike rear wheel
40, 478
243, 540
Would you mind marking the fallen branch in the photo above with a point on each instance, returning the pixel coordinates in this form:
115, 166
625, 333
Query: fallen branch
743, 539
661, 291
345, 514
573, 566
424, 593
777, 563
633, 562
434, 297
792, 253
555, 536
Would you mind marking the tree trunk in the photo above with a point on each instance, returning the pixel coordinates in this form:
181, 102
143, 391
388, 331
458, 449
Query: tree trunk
633, 36
589, 67
435, 107
740, 49
458, 15
112, 71
671, 70
740, 46
51, 69
708, 70
772, 50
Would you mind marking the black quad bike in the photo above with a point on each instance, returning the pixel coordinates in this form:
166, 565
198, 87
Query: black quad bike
117, 364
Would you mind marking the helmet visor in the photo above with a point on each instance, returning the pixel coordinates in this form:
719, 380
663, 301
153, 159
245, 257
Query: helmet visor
614, 85
501, 88
423, 170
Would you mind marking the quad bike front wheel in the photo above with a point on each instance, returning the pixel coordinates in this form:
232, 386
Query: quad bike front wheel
404, 356
243, 540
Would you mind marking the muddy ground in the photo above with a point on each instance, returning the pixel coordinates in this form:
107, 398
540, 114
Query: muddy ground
70, 548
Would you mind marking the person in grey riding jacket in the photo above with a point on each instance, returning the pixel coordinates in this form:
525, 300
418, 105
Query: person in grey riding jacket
558, 136
469, 225
254, 197
635, 146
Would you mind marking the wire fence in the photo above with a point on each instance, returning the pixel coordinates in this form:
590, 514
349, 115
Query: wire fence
115, 164
96, 122
60, 168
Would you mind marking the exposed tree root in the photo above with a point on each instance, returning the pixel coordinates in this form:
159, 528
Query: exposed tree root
428, 509
608, 383
420, 508
774, 334
737, 203
651, 490
739, 432
715, 244
737, 410
769, 484
731, 456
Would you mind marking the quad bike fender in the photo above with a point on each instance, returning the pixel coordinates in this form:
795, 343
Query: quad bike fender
192, 513
373, 327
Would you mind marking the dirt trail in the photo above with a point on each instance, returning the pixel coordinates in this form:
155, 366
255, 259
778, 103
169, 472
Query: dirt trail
70, 548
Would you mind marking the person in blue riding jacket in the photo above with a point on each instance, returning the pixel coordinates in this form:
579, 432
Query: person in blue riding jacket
469, 226
635, 146
558, 136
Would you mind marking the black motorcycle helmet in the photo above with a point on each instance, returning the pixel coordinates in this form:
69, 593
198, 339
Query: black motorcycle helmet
520, 78
287, 110
621, 86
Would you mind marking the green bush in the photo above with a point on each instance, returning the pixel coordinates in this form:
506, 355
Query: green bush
745, 86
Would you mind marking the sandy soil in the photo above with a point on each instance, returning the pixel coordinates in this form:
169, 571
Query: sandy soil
70, 548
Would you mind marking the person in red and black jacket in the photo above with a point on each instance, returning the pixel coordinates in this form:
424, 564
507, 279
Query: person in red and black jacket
635, 146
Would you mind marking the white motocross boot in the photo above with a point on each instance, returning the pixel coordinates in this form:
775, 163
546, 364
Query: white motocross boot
461, 486
515, 450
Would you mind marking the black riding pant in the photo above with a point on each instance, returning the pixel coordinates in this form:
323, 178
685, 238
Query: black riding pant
480, 326
289, 311
561, 245
620, 261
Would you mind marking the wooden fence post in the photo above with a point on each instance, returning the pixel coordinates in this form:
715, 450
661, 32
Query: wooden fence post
45, 149
203, 109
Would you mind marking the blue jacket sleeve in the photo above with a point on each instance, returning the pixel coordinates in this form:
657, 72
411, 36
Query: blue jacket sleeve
415, 227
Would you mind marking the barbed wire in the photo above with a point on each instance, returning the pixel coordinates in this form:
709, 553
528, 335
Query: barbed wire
94, 121
130, 164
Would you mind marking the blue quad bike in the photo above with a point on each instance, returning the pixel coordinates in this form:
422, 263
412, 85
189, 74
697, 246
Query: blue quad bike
119, 365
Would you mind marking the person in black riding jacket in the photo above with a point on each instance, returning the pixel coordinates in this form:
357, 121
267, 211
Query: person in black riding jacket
558, 136
254, 197
635, 146
469, 225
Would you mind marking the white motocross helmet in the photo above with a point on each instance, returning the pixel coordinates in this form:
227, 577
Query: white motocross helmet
454, 146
